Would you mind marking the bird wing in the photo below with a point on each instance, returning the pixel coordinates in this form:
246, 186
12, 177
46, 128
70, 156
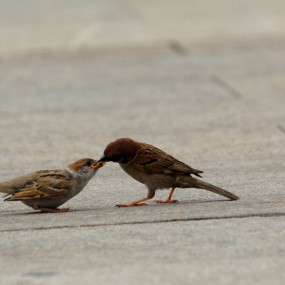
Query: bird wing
47, 185
152, 160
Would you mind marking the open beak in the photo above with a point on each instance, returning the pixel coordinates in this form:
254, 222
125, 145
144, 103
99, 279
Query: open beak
98, 164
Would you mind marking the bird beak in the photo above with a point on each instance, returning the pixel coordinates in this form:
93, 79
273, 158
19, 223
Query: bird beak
98, 164
104, 158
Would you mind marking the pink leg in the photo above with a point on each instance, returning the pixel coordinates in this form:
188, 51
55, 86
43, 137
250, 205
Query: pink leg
134, 204
168, 200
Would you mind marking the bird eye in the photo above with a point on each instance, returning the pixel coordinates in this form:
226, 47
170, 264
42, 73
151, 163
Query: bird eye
89, 163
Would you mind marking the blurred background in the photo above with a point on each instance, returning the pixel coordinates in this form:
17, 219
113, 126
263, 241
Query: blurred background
33, 26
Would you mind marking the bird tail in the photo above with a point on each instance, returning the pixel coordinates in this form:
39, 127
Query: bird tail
207, 186
197, 173
6, 188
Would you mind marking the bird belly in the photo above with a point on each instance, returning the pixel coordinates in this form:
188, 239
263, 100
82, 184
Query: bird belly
159, 181
45, 203
137, 175
152, 181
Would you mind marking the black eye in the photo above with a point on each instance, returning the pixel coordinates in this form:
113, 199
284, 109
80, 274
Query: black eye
89, 163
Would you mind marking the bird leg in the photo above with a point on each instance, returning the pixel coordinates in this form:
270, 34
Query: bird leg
168, 200
135, 203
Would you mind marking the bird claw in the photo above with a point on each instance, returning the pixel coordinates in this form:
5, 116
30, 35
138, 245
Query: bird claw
166, 201
130, 205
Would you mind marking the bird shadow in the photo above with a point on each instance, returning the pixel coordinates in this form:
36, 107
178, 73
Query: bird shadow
151, 203
191, 202
207, 201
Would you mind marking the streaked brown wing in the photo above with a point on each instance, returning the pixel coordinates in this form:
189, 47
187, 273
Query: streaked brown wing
155, 161
48, 185
37, 191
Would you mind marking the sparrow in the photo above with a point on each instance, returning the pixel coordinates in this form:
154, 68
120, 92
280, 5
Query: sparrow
46, 190
156, 169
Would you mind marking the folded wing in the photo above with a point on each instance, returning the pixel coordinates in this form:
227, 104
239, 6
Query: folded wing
152, 160
47, 185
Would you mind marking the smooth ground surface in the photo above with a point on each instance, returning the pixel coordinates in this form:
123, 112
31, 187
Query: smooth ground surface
211, 94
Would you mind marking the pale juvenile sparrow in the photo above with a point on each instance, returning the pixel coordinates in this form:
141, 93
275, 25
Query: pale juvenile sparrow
46, 190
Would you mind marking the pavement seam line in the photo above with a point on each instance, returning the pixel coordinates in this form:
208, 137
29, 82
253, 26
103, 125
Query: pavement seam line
226, 86
281, 129
264, 215
177, 48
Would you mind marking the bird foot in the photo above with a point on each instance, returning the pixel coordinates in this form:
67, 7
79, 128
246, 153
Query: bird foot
56, 210
130, 205
166, 201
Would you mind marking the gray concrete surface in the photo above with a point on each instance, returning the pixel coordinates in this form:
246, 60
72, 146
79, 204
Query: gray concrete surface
35, 26
208, 88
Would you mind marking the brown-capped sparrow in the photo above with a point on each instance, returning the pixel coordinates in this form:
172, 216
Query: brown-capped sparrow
46, 190
156, 169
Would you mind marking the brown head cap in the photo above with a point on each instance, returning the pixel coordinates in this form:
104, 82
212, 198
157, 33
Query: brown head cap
122, 151
81, 163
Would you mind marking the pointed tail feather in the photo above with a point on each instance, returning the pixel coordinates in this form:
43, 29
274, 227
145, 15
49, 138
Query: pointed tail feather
207, 186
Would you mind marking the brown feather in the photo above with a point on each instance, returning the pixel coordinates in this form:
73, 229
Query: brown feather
155, 161
41, 191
